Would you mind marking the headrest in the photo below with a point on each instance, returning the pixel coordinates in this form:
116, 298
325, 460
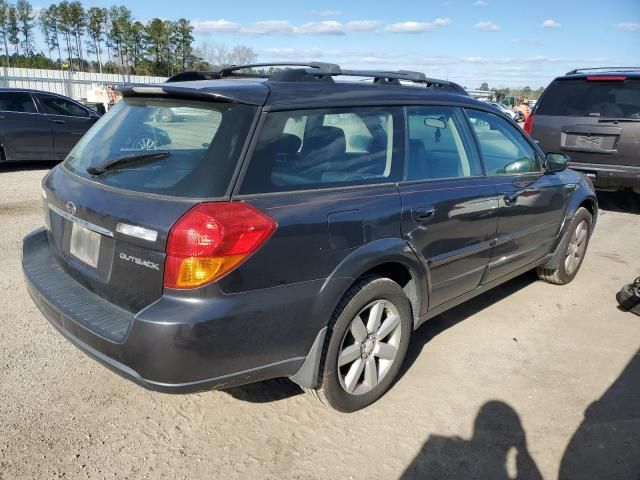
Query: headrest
326, 138
288, 144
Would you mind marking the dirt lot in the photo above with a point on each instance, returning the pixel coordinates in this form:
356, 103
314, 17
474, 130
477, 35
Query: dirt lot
499, 385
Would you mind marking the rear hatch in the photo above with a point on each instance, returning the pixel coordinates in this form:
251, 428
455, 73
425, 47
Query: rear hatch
594, 119
110, 206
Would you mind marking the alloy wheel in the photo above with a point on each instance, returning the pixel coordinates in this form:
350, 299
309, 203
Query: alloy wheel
577, 247
144, 143
369, 347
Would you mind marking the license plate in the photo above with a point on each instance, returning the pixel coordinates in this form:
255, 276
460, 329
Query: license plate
85, 244
589, 142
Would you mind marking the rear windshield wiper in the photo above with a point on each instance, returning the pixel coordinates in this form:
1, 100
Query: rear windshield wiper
616, 120
103, 167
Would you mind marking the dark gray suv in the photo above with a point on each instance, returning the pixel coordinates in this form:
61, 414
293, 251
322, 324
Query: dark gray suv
594, 116
293, 225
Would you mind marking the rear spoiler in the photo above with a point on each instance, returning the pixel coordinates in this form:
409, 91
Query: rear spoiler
240, 95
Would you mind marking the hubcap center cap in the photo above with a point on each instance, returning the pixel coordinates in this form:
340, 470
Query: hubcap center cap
367, 346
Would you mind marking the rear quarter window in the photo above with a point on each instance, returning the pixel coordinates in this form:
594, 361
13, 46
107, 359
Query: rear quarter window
301, 150
589, 98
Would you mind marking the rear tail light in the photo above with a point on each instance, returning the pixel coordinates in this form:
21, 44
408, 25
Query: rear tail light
212, 239
528, 123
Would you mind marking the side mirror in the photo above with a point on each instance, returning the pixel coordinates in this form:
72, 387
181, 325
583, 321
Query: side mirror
556, 162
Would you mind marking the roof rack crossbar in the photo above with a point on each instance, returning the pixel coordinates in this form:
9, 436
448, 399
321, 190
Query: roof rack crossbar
330, 68
591, 69
406, 75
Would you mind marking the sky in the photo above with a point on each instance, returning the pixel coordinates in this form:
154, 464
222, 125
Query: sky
502, 42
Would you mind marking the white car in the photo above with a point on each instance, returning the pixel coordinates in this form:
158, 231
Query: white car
504, 109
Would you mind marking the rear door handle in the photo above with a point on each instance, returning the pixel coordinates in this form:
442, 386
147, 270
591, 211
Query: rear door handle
423, 214
510, 198
58, 121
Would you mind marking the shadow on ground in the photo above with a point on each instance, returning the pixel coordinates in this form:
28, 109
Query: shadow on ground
279, 389
266, 391
450, 318
624, 201
26, 166
605, 445
497, 450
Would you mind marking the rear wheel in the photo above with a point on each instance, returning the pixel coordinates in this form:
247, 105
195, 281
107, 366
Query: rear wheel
574, 248
368, 341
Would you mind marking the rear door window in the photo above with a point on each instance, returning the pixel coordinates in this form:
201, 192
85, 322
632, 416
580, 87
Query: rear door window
590, 98
199, 145
503, 147
312, 149
16, 102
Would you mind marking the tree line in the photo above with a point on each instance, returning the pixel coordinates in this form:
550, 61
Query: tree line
524, 92
108, 40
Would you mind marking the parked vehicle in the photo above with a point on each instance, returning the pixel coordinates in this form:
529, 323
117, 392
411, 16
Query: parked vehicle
524, 109
593, 115
506, 110
37, 125
298, 226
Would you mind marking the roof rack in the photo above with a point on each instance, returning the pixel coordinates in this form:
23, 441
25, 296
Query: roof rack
606, 69
316, 71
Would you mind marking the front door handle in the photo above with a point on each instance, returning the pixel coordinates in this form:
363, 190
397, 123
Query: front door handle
510, 198
58, 121
423, 214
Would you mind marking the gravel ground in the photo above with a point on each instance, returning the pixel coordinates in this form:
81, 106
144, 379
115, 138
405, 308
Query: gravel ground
503, 392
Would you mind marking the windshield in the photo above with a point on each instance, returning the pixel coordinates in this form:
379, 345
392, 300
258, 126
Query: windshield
200, 142
588, 98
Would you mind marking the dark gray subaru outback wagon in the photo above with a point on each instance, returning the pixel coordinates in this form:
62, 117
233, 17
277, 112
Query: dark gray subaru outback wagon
295, 225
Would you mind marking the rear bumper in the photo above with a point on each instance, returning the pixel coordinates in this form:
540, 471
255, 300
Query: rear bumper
178, 345
610, 176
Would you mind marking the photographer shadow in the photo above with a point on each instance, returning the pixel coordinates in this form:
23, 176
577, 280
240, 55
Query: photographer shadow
607, 442
497, 450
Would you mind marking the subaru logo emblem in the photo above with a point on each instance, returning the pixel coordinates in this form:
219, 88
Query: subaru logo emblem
71, 207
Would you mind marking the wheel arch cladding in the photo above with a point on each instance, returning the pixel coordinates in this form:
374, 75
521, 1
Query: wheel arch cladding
390, 258
583, 197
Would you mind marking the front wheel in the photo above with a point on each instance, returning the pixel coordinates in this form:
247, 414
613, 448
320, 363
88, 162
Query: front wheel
574, 248
368, 341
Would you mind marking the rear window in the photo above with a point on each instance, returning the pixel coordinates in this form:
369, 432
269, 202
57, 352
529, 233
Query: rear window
198, 145
311, 149
588, 98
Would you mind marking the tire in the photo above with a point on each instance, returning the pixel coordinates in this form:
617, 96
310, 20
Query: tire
572, 248
369, 363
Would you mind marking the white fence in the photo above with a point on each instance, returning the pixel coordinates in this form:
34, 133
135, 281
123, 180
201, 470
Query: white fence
71, 84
